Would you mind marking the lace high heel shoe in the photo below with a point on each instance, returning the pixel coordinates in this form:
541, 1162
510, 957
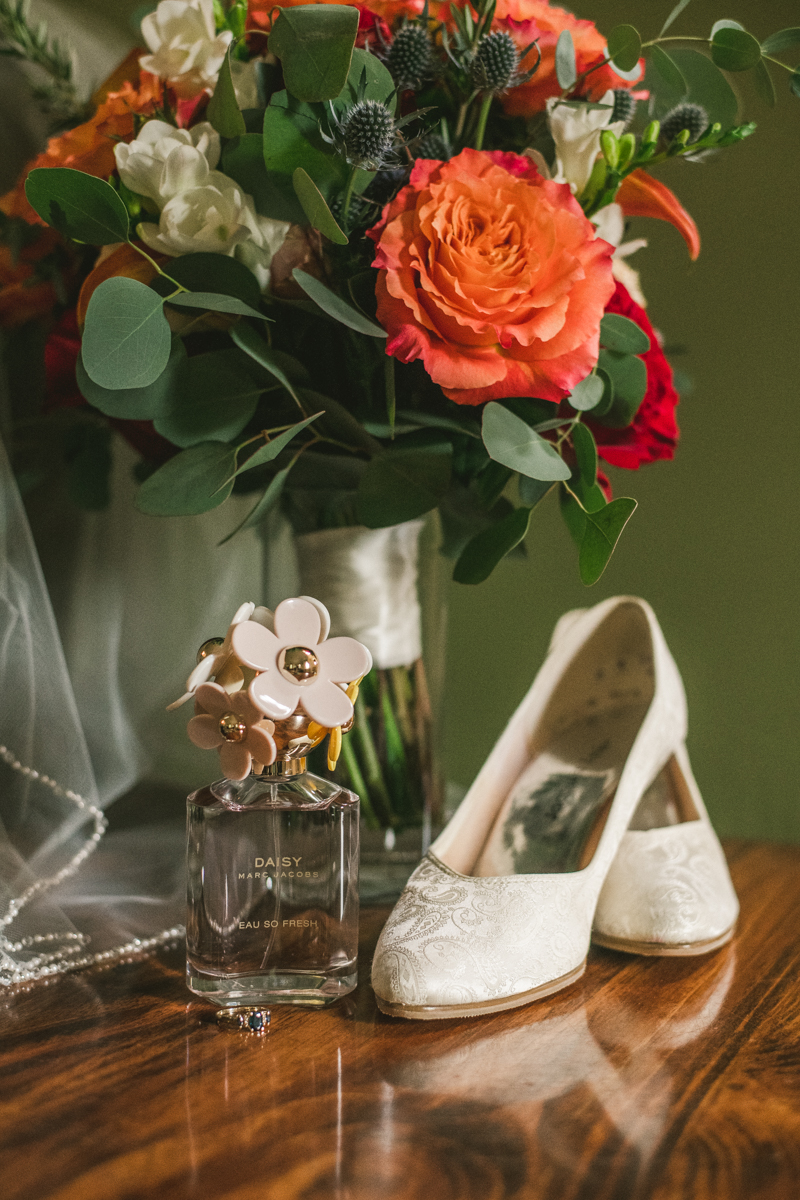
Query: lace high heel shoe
500, 911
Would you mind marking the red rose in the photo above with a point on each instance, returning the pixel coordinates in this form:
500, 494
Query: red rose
653, 433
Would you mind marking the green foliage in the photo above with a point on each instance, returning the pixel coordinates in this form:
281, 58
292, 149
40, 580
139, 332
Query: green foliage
78, 205
403, 483
587, 394
215, 302
223, 112
763, 83
669, 72
623, 335
126, 338
624, 47
786, 39
213, 399
334, 306
217, 273
271, 360
315, 207
566, 68
315, 45
601, 534
270, 498
194, 481
673, 16
704, 84
134, 404
584, 479
377, 82
271, 449
483, 552
794, 82
628, 375
733, 49
511, 441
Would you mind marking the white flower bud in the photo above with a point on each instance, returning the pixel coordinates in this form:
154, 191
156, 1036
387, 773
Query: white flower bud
576, 133
164, 161
186, 49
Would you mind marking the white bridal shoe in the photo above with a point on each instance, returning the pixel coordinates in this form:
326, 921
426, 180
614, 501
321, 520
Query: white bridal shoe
586, 810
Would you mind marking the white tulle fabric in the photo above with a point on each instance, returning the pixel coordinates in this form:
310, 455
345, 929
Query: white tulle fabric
69, 895
454, 940
668, 886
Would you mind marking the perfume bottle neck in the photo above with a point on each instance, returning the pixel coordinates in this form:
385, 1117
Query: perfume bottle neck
284, 768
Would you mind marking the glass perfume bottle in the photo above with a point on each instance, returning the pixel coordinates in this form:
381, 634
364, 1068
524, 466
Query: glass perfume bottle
272, 889
272, 851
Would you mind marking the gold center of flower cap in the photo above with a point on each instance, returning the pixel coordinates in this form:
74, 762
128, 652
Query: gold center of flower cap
298, 663
232, 728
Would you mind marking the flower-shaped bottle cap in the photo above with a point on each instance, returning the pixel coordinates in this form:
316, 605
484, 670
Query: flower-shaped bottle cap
280, 685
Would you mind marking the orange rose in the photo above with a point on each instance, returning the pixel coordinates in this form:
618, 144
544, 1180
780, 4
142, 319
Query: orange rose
22, 295
529, 20
88, 147
492, 276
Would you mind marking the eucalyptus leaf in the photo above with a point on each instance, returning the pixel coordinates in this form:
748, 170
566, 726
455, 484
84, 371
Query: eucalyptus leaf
133, 404
315, 207
334, 306
585, 453
315, 44
401, 484
573, 514
126, 338
621, 334
665, 65
764, 85
78, 205
587, 394
511, 441
531, 491
783, 40
194, 481
379, 83
707, 86
725, 25
673, 16
265, 503
734, 49
794, 82
271, 449
566, 68
271, 360
600, 537
629, 377
206, 272
484, 551
223, 111
273, 194
215, 302
607, 400
213, 399
624, 47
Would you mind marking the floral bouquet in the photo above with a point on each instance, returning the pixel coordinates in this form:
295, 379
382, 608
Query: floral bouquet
366, 263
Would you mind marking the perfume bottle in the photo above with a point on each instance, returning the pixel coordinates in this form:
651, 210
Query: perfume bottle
272, 850
272, 889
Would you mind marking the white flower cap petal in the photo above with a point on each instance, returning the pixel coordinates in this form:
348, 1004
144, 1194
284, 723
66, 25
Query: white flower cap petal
274, 695
177, 703
243, 613
324, 616
255, 646
326, 703
264, 616
202, 672
343, 659
298, 622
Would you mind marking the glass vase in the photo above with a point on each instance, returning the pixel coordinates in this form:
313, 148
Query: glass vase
385, 587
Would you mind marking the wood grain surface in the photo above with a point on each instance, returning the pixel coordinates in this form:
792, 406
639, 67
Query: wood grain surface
662, 1078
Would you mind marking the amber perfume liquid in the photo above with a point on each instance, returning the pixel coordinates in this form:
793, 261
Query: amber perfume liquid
272, 891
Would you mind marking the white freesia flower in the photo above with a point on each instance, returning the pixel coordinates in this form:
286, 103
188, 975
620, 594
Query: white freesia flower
576, 133
164, 161
610, 225
219, 217
186, 49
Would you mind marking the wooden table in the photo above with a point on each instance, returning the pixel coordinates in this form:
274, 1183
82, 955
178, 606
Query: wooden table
648, 1078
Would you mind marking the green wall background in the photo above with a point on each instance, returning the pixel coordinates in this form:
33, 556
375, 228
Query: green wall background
714, 544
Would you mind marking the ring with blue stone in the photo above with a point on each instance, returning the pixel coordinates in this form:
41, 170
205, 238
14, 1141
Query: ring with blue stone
245, 1018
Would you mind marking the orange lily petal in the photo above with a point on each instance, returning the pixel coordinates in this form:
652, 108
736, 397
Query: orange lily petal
643, 196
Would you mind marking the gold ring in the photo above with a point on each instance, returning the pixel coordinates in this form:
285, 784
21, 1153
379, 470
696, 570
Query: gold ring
244, 1017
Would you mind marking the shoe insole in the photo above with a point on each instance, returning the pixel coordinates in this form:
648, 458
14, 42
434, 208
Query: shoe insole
553, 815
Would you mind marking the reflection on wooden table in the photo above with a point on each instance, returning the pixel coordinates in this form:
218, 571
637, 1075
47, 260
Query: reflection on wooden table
649, 1078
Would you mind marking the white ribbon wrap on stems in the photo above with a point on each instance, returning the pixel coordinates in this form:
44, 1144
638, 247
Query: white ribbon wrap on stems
367, 579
